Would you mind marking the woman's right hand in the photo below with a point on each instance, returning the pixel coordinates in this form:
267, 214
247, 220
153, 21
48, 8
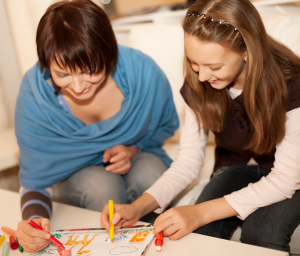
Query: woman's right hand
32, 239
125, 215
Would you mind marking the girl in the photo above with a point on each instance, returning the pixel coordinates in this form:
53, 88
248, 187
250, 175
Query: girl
91, 119
245, 87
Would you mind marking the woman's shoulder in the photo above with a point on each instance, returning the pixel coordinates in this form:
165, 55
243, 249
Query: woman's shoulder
135, 55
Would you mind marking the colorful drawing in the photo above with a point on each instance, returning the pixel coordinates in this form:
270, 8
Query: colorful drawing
89, 242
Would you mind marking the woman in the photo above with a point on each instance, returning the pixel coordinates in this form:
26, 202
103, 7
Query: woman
91, 119
245, 87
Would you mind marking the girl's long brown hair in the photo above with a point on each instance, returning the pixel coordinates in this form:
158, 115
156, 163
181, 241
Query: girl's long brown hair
269, 65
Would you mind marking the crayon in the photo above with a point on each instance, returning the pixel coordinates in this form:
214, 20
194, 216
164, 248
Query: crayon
2, 239
13, 243
5, 250
52, 238
159, 241
111, 214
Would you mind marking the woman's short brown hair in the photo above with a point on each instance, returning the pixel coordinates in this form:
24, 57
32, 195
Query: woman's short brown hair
77, 34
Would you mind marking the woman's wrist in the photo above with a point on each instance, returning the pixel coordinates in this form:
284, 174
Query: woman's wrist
132, 150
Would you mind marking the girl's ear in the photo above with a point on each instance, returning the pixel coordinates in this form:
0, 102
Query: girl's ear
245, 56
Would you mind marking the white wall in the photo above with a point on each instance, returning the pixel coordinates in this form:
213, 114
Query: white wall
10, 76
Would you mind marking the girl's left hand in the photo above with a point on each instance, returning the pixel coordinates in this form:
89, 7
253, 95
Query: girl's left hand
119, 157
178, 221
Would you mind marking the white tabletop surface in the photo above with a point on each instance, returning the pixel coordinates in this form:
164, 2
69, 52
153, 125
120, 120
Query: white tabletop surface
68, 217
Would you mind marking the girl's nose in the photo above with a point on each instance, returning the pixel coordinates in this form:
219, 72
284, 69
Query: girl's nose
204, 74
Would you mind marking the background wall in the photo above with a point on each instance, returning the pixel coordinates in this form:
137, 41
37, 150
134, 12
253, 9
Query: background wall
127, 6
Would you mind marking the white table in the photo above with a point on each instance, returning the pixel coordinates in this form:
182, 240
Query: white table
67, 217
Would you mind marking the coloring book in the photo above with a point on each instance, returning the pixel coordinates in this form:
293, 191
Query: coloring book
131, 241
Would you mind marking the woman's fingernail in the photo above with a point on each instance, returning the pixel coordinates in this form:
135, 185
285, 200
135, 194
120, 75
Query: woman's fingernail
47, 236
47, 228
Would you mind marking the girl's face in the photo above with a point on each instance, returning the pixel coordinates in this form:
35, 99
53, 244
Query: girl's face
215, 63
80, 85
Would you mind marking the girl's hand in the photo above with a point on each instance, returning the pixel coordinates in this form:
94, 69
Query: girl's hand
178, 221
32, 239
119, 156
125, 215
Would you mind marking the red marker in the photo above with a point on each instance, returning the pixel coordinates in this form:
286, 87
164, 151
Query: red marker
52, 238
159, 241
13, 243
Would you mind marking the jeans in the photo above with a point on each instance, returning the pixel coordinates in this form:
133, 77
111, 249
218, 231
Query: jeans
93, 186
270, 226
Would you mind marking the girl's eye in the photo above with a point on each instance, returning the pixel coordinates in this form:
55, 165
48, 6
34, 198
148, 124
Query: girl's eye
215, 69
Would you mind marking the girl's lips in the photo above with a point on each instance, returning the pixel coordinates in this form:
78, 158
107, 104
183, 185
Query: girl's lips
213, 82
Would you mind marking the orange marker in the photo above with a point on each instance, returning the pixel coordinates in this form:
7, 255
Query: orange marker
8, 231
159, 241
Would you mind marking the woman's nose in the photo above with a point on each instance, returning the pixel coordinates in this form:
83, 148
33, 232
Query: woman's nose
78, 83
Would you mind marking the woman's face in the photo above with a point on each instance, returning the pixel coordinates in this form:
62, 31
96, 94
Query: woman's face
80, 85
215, 63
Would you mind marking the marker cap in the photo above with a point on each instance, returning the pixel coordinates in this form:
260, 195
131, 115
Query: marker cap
13, 243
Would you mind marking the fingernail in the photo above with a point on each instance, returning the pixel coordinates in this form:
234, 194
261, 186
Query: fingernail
107, 168
47, 236
113, 221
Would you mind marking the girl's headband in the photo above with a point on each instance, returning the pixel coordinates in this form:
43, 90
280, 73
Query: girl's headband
198, 15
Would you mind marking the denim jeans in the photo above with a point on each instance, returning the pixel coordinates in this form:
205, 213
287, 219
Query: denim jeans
270, 226
93, 186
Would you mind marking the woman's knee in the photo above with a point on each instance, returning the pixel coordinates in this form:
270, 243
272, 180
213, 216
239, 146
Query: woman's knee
146, 169
91, 188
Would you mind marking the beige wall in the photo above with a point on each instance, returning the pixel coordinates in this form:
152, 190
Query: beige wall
127, 6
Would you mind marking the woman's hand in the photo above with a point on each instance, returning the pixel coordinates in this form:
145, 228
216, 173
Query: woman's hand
119, 157
125, 215
180, 221
32, 239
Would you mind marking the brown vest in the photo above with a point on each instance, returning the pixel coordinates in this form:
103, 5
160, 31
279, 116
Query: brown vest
236, 133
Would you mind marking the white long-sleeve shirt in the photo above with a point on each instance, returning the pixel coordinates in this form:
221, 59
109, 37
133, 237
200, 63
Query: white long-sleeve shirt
280, 184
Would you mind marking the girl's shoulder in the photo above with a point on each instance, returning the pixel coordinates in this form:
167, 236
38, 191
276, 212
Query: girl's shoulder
293, 86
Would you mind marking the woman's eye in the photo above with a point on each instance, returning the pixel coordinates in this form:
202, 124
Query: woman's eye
62, 75
215, 69
87, 72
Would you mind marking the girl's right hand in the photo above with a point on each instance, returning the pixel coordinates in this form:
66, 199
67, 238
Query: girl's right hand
32, 239
125, 215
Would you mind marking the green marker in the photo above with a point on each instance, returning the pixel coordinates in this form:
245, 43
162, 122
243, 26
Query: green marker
20, 247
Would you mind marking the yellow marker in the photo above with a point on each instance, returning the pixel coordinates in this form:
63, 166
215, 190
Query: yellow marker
2, 239
111, 214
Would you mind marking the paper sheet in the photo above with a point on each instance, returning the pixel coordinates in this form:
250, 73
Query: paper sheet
127, 242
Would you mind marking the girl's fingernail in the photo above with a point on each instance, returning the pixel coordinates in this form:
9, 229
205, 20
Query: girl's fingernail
47, 236
107, 168
47, 228
113, 221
